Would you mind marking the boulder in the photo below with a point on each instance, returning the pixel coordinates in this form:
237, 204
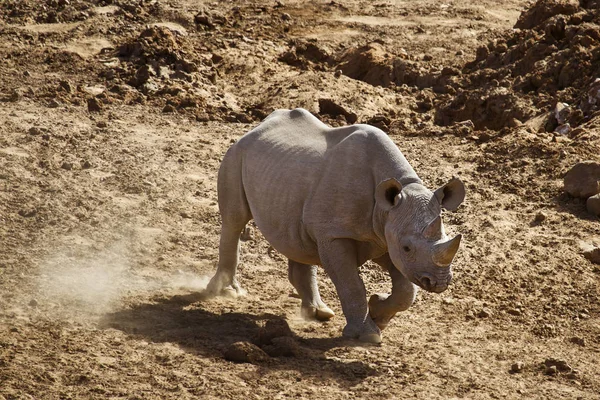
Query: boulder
593, 205
583, 180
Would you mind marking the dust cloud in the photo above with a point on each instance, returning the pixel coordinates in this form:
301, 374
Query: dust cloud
99, 281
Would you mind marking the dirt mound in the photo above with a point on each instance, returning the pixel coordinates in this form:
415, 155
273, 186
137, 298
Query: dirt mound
553, 58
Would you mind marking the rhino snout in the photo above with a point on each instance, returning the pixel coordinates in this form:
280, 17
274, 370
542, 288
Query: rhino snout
432, 283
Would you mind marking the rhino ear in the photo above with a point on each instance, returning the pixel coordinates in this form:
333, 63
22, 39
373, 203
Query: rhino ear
387, 193
451, 195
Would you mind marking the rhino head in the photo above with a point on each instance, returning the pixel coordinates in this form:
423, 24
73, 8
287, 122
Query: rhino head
414, 232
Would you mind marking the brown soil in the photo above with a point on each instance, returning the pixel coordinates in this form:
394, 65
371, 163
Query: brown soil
116, 114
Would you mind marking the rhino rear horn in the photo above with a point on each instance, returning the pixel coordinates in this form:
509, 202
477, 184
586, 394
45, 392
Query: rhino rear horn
443, 253
434, 229
451, 195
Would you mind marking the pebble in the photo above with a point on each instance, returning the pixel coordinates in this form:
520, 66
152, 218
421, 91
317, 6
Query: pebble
34, 131
245, 352
67, 166
593, 205
517, 367
101, 124
33, 303
593, 255
94, 105
578, 341
484, 313
540, 217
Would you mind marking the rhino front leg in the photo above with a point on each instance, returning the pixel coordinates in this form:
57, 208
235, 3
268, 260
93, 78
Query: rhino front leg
339, 258
383, 307
304, 279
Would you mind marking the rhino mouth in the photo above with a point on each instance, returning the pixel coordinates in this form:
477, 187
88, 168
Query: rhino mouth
433, 284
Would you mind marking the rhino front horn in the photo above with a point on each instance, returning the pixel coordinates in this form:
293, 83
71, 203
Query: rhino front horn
444, 253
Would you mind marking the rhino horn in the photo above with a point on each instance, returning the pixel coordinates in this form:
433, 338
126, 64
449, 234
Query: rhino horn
443, 253
434, 229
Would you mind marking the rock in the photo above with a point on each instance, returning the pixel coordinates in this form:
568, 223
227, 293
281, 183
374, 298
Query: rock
86, 165
517, 367
247, 234
563, 129
33, 303
28, 212
34, 131
53, 103
94, 105
245, 352
540, 217
578, 341
593, 255
558, 364
283, 346
583, 180
561, 112
169, 108
593, 205
101, 124
484, 313
331, 108
552, 370
274, 328
67, 166
66, 86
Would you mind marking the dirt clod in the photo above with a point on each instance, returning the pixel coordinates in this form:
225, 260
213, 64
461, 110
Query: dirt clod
245, 352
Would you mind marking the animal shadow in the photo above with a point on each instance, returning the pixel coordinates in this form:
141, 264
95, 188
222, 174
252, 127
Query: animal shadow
201, 332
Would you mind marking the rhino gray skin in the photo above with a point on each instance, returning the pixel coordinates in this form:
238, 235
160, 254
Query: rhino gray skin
336, 197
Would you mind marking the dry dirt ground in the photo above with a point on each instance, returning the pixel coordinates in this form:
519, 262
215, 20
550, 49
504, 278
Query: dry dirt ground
115, 115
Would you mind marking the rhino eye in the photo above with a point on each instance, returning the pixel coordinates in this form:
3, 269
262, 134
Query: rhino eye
406, 249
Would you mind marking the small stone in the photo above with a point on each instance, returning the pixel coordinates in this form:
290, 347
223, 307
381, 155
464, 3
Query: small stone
94, 105
593, 255
337, 73
34, 131
470, 315
28, 212
558, 364
593, 205
66, 86
583, 179
514, 123
540, 217
484, 313
33, 303
517, 367
53, 103
563, 129
460, 53
427, 57
515, 311
168, 109
448, 300
286, 17
578, 341
552, 370
245, 352
247, 234
86, 165
101, 124
67, 166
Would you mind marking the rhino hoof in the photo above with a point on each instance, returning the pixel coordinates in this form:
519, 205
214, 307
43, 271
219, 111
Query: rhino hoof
324, 314
320, 314
374, 338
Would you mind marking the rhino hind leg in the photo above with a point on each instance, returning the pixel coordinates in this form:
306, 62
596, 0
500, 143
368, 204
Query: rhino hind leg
383, 307
304, 279
235, 214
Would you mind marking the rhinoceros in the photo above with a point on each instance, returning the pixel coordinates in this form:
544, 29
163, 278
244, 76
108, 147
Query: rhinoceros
335, 197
